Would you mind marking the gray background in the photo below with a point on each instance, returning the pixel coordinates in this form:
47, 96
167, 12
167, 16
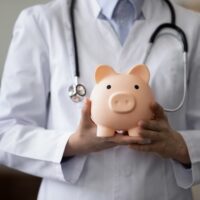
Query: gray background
10, 9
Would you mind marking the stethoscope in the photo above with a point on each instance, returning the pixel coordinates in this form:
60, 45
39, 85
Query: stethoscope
77, 91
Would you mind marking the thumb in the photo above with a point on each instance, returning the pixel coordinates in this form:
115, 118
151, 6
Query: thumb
86, 110
158, 111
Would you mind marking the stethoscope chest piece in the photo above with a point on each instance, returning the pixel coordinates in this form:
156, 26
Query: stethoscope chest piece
77, 92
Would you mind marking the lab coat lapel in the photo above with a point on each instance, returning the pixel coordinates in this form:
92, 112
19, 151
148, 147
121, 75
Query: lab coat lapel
136, 45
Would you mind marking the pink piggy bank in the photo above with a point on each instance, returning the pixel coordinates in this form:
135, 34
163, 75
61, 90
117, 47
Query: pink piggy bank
119, 101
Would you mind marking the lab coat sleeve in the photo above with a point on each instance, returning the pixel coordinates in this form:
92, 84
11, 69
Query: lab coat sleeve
25, 143
187, 177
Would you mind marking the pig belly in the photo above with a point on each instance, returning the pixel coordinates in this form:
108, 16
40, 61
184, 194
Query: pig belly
122, 125
103, 131
117, 122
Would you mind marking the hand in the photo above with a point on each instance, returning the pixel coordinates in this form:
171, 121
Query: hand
163, 140
85, 141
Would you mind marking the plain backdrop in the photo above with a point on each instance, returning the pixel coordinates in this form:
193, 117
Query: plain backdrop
10, 9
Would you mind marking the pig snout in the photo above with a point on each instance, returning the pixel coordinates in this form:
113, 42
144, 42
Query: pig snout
122, 102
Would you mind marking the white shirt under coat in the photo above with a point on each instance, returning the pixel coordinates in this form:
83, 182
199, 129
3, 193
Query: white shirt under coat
37, 115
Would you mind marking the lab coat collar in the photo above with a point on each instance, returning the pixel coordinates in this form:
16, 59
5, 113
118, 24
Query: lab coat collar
108, 7
146, 8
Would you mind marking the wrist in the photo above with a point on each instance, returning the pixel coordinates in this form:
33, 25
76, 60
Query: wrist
70, 148
182, 154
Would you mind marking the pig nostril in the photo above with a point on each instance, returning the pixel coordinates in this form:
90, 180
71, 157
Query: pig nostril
136, 87
108, 87
116, 102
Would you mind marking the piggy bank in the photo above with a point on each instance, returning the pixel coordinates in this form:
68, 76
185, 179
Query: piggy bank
119, 101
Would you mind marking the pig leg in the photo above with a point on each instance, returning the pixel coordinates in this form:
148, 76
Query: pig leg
103, 131
138, 139
133, 132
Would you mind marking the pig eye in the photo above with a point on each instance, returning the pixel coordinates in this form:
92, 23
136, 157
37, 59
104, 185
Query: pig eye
136, 87
108, 87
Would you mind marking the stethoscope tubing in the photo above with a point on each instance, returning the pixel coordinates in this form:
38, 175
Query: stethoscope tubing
152, 41
172, 11
76, 60
173, 27
183, 38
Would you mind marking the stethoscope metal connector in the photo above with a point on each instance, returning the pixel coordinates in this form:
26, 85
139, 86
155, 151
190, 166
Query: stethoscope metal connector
77, 91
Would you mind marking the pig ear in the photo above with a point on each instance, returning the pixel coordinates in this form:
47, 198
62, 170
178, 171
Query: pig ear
142, 71
103, 71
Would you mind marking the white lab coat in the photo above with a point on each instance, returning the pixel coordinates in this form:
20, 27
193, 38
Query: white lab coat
37, 116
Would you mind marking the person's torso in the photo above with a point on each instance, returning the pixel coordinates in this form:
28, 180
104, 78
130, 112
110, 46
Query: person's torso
118, 173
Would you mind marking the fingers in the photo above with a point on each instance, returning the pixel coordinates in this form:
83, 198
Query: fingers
151, 135
144, 148
150, 125
152, 130
124, 139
